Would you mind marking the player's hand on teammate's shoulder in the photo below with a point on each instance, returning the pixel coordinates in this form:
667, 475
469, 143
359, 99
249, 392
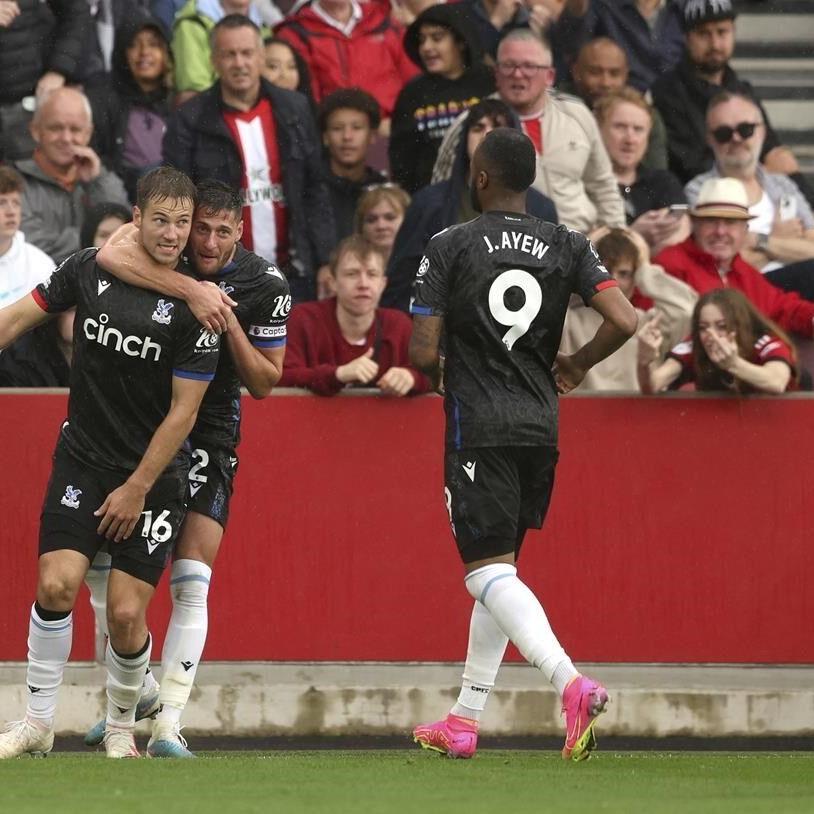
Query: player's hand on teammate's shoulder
362, 369
120, 512
567, 373
398, 381
211, 306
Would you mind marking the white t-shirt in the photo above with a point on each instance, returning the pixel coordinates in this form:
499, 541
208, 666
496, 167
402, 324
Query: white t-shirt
763, 223
22, 268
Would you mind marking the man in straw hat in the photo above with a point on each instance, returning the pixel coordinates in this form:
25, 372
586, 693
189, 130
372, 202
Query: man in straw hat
710, 257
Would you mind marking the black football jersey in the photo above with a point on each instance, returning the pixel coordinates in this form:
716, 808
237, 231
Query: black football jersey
128, 343
502, 283
263, 304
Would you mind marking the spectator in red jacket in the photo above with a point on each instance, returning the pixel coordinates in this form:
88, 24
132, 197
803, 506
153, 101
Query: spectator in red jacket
710, 258
348, 44
347, 340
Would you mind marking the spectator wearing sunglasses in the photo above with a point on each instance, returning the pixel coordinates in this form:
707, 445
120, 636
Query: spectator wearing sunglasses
573, 167
682, 95
781, 232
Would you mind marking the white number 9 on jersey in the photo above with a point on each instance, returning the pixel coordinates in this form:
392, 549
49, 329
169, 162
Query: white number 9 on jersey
521, 319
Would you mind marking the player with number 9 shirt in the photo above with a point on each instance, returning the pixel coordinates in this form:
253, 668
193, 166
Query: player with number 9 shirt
498, 289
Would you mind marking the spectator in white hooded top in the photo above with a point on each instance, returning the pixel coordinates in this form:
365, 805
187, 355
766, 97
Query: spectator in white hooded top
22, 266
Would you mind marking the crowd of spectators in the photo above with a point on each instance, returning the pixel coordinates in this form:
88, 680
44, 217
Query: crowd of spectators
349, 125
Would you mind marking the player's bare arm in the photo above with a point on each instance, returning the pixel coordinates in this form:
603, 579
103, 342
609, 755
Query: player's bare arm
123, 506
19, 318
424, 347
618, 325
259, 369
124, 257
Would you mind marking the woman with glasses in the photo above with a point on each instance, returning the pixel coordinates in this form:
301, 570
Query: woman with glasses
442, 42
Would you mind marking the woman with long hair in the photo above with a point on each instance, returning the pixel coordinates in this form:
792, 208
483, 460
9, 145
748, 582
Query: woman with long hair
130, 111
732, 348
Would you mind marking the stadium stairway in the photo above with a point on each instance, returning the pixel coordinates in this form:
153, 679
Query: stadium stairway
775, 51
251, 699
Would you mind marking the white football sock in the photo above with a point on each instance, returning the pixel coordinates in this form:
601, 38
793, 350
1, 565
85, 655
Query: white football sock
125, 677
49, 645
186, 636
519, 614
149, 684
487, 644
96, 580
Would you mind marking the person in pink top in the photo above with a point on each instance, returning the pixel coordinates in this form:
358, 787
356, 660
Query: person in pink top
347, 340
710, 258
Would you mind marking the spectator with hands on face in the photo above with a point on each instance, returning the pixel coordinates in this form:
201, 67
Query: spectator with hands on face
732, 348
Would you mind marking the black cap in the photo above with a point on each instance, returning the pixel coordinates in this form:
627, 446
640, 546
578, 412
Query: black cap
697, 12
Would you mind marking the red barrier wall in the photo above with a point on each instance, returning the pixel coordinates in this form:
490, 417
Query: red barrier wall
678, 532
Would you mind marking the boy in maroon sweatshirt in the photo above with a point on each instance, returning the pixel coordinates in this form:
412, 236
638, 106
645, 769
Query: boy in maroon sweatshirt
348, 340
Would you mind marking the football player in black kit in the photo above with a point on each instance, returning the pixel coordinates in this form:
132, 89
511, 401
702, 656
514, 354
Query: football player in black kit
497, 288
254, 347
141, 365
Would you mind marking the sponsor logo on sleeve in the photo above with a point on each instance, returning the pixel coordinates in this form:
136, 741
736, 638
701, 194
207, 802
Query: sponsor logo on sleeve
267, 331
423, 267
206, 340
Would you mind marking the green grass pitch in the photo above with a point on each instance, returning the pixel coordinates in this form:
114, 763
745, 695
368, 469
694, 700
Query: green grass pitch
497, 782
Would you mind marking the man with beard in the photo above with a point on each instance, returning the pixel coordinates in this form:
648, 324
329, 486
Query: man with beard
498, 287
780, 242
682, 95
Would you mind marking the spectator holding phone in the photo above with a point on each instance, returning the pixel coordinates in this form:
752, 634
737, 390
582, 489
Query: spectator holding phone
655, 205
732, 348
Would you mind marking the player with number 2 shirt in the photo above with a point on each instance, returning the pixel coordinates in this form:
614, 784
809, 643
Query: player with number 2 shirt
497, 288
254, 346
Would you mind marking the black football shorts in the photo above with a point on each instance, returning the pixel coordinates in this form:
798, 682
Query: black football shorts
76, 491
495, 494
211, 481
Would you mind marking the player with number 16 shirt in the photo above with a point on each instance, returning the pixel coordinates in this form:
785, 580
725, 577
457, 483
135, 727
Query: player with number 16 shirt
497, 289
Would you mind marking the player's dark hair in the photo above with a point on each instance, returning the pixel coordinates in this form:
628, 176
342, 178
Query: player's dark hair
231, 22
163, 183
510, 158
748, 325
616, 247
215, 196
10, 180
348, 99
358, 246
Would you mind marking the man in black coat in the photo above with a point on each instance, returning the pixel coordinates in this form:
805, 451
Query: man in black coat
252, 135
41, 48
